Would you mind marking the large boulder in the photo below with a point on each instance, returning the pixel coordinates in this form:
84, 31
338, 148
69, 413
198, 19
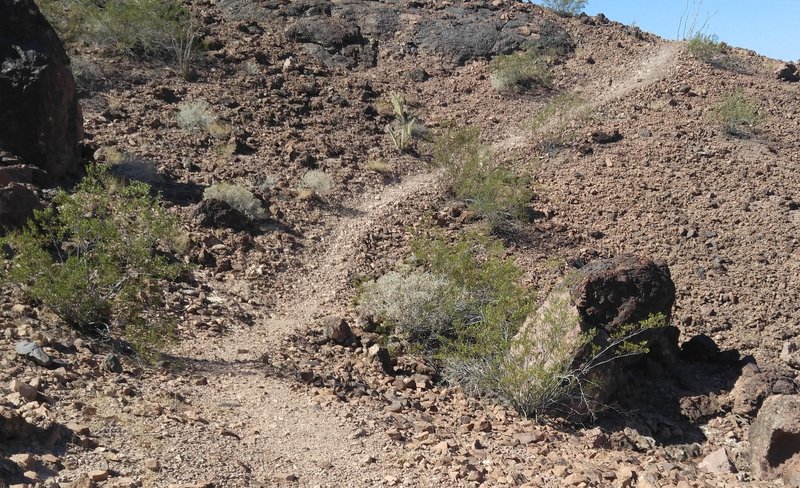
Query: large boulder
604, 300
775, 439
42, 122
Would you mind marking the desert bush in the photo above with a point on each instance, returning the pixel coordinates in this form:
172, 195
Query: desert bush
736, 114
96, 259
317, 182
492, 192
196, 115
458, 299
519, 71
706, 47
237, 197
461, 305
144, 28
565, 7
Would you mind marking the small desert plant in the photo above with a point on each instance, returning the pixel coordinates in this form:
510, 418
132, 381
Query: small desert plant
519, 71
268, 183
736, 114
565, 7
492, 192
378, 166
196, 115
97, 259
316, 182
402, 130
237, 197
707, 47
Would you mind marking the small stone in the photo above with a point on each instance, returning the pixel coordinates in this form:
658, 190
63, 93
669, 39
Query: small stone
112, 363
337, 330
82, 481
152, 464
529, 437
718, 462
79, 429
25, 390
98, 475
33, 352
24, 460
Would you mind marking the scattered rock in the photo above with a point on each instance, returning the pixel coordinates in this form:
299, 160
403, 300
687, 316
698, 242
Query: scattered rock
17, 203
718, 462
98, 475
790, 354
152, 464
33, 352
601, 137
218, 214
112, 363
775, 437
25, 390
338, 331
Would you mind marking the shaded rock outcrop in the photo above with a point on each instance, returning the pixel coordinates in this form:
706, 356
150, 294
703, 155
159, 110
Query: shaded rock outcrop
361, 34
38, 99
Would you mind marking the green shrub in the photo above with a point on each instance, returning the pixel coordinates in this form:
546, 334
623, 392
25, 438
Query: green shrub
459, 299
565, 7
237, 197
736, 115
197, 115
519, 71
492, 192
96, 259
461, 305
706, 47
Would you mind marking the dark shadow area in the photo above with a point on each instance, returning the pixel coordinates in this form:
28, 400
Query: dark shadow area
17, 436
669, 402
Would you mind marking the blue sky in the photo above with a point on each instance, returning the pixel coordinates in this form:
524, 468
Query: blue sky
769, 27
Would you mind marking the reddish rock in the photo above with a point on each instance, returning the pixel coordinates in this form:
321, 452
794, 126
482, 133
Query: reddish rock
775, 437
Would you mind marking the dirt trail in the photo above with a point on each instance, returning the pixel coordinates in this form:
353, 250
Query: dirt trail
284, 429
624, 79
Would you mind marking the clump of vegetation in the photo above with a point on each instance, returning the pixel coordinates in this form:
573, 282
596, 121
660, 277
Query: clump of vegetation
316, 182
402, 130
197, 115
97, 259
461, 305
565, 7
519, 71
237, 197
143, 28
736, 115
707, 48
492, 192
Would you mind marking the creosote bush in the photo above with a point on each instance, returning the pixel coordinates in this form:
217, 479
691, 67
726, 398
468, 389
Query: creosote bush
736, 115
461, 305
492, 192
519, 71
706, 47
237, 197
97, 259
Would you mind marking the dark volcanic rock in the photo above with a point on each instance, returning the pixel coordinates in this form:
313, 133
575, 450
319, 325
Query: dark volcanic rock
17, 203
788, 72
37, 92
217, 213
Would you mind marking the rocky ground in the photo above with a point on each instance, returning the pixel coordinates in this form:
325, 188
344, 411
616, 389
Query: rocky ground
267, 388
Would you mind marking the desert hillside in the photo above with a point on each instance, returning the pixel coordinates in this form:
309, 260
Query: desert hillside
506, 160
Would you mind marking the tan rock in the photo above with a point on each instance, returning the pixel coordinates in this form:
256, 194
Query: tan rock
25, 390
24, 460
98, 475
152, 464
718, 462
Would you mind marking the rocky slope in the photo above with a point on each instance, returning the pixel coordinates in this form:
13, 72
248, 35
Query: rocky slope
256, 394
